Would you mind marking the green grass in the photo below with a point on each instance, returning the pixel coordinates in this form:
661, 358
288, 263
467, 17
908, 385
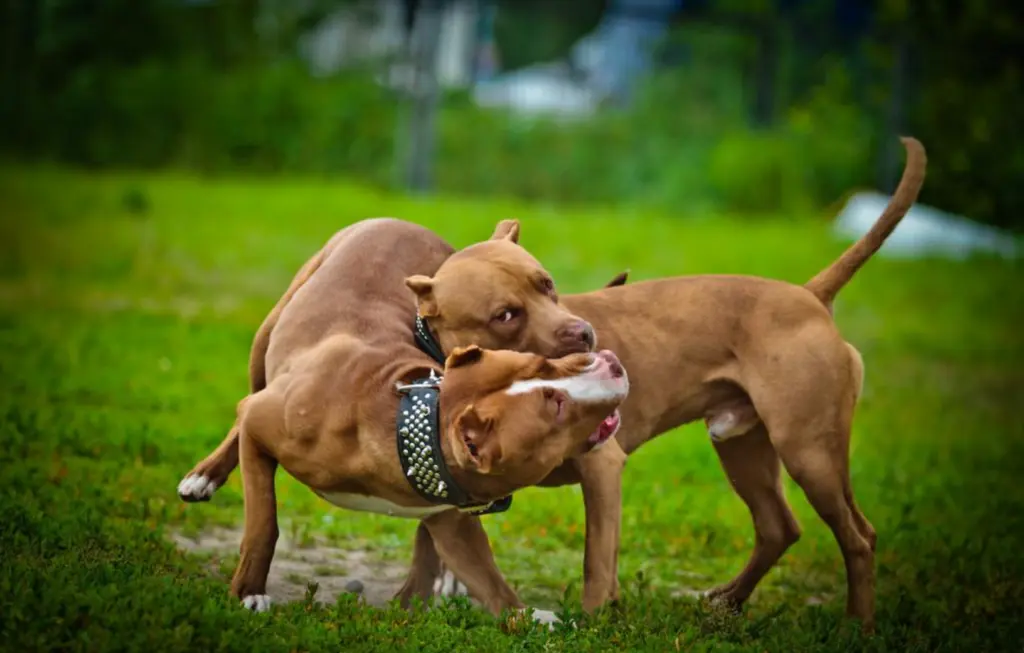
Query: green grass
127, 305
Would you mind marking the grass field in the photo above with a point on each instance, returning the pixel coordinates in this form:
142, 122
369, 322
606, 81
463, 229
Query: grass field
127, 305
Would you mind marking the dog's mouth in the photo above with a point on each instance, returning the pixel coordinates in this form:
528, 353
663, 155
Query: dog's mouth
605, 431
573, 348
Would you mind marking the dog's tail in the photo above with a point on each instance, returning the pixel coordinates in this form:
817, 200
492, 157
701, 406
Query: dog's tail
827, 284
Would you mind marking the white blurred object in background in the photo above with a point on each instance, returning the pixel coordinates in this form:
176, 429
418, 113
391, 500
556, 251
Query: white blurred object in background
924, 231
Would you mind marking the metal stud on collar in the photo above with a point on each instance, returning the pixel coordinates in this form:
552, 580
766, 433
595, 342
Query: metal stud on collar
426, 342
416, 438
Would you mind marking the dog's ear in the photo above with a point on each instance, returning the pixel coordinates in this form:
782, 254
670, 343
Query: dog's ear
618, 280
475, 446
462, 356
507, 230
423, 286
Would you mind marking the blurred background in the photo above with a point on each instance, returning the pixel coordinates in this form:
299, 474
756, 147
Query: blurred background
683, 105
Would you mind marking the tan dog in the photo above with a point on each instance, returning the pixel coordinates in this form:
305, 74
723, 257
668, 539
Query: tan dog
756, 358
709, 347
339, 361
550, 330
553, 332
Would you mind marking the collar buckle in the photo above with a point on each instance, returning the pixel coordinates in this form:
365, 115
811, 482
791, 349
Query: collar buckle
432, 382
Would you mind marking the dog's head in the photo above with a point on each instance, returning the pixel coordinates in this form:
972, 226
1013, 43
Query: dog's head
511, 418
496, 295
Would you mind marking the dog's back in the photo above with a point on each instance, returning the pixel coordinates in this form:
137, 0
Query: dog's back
357, 288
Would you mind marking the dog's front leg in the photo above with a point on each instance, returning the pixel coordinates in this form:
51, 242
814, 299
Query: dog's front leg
463, 546
601, 481
260, 535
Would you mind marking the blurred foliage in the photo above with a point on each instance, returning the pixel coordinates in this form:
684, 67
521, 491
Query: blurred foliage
195, 84
969, 101
532, 31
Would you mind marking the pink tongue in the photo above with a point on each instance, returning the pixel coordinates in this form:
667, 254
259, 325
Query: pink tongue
604, 429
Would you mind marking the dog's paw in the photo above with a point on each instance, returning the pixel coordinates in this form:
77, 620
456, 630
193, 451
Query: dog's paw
196, 487
256, 602
546, 617
448, 585
722, 598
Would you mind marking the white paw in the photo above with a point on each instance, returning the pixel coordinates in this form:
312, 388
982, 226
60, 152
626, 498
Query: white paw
256, 602
448, 585
545, 617
196, 487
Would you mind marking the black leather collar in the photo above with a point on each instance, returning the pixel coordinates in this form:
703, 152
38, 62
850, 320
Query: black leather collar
426, 342
418, 427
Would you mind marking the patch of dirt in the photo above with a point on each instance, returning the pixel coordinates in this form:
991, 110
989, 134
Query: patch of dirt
337, 571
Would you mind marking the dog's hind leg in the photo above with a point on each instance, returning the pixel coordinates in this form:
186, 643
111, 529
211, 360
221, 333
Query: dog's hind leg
211, 473
827, 487
753, 469
261, 531
809, 420
424, 573
857, 383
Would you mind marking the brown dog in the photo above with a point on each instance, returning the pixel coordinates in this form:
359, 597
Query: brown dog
339, 361
754, 357
751, 356
553, 332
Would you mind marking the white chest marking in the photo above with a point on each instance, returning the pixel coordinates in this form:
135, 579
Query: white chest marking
363, 503
582, 388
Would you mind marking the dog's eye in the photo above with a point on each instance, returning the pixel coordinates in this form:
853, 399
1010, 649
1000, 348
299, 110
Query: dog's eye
507, 315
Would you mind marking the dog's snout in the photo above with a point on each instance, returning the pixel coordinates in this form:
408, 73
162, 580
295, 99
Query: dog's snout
616, 369
579, 331
614, 365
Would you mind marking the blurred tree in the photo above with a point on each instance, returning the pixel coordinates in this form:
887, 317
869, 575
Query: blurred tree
418, 139
968, 100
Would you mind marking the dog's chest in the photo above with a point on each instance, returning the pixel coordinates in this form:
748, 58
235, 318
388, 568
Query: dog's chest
363, 503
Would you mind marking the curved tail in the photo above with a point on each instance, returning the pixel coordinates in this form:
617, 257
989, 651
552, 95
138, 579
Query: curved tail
827, 283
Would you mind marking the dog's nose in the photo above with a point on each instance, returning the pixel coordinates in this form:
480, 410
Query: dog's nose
578, 331
588, 336
614, 365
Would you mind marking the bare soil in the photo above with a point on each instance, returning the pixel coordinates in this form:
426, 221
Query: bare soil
335, 570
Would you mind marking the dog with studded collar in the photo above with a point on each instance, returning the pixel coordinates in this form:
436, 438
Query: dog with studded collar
356, 412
